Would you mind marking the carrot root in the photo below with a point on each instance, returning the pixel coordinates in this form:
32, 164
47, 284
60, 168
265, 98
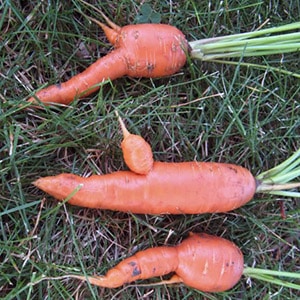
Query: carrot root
201, 261
169, 188
112, 33
109, 67
142, 50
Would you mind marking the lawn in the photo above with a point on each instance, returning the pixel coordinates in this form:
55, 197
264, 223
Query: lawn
245, 113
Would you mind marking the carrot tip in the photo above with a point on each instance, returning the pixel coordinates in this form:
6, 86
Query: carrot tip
125, 131
111, 33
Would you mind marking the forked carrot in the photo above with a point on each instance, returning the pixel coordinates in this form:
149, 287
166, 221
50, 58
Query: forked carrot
204, 262
201, 261
142, 50
156, 50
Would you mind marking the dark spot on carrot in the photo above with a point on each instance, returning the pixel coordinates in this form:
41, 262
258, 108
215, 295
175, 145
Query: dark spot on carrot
227, 264
150, 67
136, 271
136, 34
58, 85
154, 270
233, 169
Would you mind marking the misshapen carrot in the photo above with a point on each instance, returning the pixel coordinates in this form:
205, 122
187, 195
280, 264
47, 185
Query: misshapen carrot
169, 188
164, 188
204, 262
137, 152
142, 50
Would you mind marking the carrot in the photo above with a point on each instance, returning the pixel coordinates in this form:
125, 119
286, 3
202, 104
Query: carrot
137, 152
142, 50
174, 188
169, 188
204, 262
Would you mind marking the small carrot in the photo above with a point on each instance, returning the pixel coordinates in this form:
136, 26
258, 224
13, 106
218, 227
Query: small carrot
142, 50
137, 152
204, 262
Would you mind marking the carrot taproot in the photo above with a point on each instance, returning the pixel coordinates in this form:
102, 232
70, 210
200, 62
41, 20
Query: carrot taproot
141, 50
169, 188
174, 188
137, 152
201, 261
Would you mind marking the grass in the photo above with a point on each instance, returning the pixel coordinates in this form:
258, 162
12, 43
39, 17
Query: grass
208, 111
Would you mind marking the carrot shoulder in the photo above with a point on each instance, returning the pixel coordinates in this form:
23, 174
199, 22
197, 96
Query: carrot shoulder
201, 261
169, 188
142, 50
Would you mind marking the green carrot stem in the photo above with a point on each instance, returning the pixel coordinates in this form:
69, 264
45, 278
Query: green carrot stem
256, 43
284, 177
281, 167
250, 270
278, 179
291, 40
277, 187
257, 66
289, 194
252, 34
270, 276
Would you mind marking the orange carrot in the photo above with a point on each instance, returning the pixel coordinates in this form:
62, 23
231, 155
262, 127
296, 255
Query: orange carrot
142, 50
204, 262
166, 188
169, 188
137, 152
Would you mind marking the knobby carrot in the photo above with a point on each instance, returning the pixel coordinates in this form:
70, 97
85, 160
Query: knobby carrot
204, 262
142, 50
137, 152
156, 50
171, 188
